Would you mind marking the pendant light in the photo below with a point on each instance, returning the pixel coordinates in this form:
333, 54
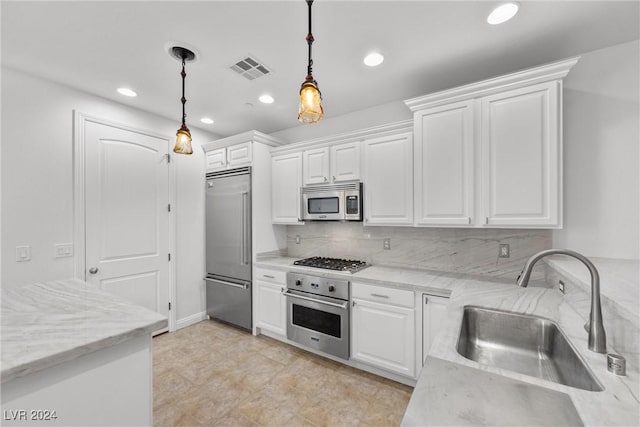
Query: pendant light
310, 97
183, 136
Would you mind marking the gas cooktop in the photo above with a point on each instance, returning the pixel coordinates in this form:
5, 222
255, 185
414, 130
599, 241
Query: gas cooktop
337, 264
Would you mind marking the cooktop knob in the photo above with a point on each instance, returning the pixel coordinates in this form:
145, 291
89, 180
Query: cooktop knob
298, 282
332, 288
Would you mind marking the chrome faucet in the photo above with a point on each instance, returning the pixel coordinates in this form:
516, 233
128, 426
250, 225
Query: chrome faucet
594, 326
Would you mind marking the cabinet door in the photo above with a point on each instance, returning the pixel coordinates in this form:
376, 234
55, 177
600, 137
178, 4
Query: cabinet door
443, 165
315, 166
521, 157
270, 307
388, 180
216, 159
383, 336
345, 162
286, 180
239, 155
433, 313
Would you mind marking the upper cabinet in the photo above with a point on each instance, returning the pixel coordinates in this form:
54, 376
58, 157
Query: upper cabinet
489, 154
521, 156
443, 164
286, 180
229, 157
388, 180
333, 164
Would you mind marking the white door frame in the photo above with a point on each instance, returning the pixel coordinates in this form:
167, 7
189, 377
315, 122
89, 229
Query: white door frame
79, 215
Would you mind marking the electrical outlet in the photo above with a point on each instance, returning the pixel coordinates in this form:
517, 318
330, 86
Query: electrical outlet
561, 286
298, 239
23, 253
503, 250
63, 250
386, 244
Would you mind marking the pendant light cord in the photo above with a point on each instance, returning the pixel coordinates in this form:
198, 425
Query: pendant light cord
310, 40
183, 99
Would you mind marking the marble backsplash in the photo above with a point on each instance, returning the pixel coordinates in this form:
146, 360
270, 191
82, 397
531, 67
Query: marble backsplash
471, 251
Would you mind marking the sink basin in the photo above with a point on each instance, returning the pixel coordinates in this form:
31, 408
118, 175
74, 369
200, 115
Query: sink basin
527, 344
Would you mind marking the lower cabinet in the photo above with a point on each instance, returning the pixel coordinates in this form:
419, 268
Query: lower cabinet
270, 306
382, 329
433, 313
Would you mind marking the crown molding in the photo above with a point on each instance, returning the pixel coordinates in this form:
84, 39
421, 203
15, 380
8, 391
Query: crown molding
250, 136
541, 74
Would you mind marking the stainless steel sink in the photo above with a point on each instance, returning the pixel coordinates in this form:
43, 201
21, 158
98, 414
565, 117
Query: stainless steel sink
527, 344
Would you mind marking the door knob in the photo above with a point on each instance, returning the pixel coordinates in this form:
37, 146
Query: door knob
93, 270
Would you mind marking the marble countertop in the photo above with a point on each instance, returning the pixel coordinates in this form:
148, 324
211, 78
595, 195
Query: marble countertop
47, 323
432, 404
429, 281
618, 404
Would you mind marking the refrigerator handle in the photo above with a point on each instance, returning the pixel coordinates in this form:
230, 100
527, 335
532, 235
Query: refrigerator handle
233, 285
243, 243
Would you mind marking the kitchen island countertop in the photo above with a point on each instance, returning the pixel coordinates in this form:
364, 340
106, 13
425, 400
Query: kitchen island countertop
47, 323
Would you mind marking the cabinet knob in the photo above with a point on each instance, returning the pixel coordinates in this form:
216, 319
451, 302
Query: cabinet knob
325, 179
93, 270
334, 178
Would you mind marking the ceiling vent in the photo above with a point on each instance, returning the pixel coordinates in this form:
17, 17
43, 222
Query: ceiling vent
250, 68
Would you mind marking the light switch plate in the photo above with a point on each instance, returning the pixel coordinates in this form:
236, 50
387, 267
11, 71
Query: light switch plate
23, 253
63, 250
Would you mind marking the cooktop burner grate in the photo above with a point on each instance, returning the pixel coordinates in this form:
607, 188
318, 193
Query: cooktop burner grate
336, 264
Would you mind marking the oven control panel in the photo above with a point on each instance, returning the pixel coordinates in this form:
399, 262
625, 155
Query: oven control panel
336, 288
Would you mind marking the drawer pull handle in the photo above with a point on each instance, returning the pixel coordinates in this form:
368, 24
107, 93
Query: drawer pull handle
380, 296
268, 276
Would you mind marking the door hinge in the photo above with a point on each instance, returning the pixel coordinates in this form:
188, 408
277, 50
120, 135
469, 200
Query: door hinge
169, 257
168, 157
169, 207
169, 306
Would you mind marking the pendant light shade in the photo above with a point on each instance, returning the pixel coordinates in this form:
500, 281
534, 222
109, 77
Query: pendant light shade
183, 136
310, 103
310, 110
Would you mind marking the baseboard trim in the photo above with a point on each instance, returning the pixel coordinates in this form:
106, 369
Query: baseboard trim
190, 320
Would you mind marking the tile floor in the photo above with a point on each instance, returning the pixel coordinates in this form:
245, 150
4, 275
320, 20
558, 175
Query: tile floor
211, 374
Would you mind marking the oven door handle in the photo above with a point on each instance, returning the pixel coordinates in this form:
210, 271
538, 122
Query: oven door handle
343, 306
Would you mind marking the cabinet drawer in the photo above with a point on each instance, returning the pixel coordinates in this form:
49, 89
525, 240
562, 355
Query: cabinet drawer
275, 276
383, 294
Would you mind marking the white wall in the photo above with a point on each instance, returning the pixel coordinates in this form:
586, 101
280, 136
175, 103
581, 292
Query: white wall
601, 155
37, 182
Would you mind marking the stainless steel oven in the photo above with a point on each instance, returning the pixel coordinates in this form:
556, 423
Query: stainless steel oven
339, 202
318, 313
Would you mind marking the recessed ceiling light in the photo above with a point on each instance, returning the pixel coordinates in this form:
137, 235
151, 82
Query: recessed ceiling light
502, 13
266, 99
373, 59
126, 92
207, 120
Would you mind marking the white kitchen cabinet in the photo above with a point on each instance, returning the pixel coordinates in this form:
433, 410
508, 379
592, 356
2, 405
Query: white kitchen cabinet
270, 310
286, 181
383, 332
388, 180
315, 166
345, 162
443, 165
433, 313
489, 154
334, 164
229, 157
216, 159
521, 156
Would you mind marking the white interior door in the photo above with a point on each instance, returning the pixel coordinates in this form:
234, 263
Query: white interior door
126, 215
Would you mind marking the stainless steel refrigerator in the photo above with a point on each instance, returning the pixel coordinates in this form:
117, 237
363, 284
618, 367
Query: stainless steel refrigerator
228, 246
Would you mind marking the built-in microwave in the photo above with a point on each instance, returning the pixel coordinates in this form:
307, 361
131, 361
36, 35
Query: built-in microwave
339, 202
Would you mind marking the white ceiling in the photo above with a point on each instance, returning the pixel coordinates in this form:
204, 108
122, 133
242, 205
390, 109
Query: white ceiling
428, 46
